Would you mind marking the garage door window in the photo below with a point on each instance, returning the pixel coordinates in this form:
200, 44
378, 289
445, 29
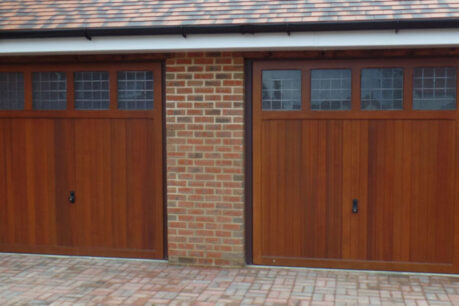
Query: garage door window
382, 89
105, 89
135, 90
11, 91
92, 90
331, 89
434, 88
281, 90
49, 90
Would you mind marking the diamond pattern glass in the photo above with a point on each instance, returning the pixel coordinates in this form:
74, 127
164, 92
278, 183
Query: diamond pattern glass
92, 90
330, 89
135, 90
382, 89
434, 88
281, 90
11, 91
49, 90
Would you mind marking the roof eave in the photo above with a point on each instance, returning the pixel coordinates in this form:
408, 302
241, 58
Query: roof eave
184, 30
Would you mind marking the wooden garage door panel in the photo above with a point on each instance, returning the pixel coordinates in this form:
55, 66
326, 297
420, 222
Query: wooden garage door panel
142, 168
65, 180
355, 185
93, 186
302, 188
399, 163
113, 165
411, 190
400, 171
135, 165
28, 181
116, 200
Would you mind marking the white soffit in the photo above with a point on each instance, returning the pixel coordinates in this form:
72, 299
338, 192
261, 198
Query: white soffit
376, 39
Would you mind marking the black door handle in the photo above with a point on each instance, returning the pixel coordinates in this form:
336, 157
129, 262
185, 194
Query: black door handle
72, 197
355, 206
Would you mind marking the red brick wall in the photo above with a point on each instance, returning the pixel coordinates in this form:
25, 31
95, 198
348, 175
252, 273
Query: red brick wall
204, 119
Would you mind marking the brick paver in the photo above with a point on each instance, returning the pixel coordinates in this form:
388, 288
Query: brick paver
43, 280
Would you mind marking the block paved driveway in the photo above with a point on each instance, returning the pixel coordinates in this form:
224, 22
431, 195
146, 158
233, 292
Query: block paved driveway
44, 280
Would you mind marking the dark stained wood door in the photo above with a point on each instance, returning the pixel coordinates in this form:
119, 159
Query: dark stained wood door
310, 166
110, 156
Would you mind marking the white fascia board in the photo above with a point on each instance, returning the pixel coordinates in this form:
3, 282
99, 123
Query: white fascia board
375, 39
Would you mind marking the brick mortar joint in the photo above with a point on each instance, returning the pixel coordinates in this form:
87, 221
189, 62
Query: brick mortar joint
192, 192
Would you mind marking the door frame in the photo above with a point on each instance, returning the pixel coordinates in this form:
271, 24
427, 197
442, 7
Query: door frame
248, 164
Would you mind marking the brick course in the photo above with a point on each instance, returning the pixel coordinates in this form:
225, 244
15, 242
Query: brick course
204, 121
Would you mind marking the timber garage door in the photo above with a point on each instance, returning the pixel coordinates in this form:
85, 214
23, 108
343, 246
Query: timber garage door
81, 160
356, 164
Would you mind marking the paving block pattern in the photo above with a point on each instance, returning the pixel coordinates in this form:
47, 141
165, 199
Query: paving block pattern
45, 280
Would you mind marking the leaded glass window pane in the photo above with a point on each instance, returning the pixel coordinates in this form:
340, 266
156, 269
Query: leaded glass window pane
281, 90
434, 88
135, 90
382, 89
331, 89
49, 90
92, 90
11, 91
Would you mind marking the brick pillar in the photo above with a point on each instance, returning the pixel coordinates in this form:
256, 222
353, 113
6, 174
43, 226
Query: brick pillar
204, 118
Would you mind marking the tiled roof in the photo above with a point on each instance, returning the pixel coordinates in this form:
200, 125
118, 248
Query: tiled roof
60, 14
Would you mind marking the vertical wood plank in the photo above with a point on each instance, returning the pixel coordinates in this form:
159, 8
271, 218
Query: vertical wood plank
362, 189
119, 183
399, 219
411, 191
456, 199
136, 137
85, 146
40, 181
93, 183
334, 191
10, 200
444, 192
4, 226
66, 220
404, 205
354, 158
310, 187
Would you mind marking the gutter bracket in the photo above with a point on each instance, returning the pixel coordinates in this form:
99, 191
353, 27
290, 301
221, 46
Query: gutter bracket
183, 31
86, 34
